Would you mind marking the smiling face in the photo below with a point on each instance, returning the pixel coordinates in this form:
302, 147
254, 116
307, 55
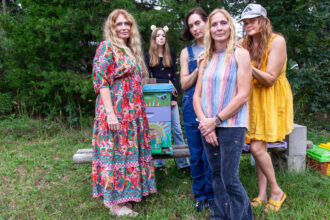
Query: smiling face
220, 28
123, 27
196, 26
252, 26
160, 38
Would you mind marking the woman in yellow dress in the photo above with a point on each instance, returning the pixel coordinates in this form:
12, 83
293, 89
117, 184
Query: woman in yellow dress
270, 101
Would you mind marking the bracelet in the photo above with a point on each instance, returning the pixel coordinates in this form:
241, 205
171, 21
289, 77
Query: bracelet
218, 120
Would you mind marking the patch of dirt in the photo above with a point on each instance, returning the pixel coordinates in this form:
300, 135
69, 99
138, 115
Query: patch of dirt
21, 171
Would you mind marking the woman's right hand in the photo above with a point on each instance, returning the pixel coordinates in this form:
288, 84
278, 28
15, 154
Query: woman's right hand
113, 122
200, 59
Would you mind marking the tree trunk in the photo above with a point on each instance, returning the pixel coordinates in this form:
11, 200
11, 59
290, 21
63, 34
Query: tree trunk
4, 6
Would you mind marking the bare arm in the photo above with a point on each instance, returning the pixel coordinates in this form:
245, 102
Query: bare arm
211, 137
276, 59
243, 88
198, 93
187, 80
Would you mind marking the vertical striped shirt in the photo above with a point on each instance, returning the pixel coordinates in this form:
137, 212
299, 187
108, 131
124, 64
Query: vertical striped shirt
219, 87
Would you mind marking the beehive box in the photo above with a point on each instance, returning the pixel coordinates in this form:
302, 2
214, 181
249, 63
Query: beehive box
157, 98
319, 158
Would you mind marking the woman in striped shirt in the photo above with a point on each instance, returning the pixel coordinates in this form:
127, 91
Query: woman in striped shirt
220, 103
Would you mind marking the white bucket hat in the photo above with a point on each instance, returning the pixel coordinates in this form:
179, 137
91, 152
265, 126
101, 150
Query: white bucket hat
253, 11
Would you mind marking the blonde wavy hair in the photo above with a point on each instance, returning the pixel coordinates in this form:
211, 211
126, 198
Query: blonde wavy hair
208, 40
266, 32
133, 47
153, 53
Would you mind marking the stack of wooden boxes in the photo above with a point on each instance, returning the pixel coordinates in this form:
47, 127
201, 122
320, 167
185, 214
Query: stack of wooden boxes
157, 98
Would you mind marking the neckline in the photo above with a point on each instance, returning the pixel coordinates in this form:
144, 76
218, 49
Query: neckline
220, 51
196, 45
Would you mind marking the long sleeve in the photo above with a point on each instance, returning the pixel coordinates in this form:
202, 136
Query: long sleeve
147, 61
175, 76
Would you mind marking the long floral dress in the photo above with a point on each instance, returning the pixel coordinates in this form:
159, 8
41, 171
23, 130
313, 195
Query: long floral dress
122, 164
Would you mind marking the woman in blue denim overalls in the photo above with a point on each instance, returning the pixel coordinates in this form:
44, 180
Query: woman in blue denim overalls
194, 24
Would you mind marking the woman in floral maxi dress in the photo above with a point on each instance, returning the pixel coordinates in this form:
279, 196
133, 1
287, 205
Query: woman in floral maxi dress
122, 163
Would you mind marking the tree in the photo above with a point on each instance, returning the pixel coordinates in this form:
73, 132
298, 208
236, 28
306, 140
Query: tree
47, 46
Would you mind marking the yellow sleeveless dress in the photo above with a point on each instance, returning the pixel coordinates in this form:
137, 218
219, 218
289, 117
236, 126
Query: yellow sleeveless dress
270, 108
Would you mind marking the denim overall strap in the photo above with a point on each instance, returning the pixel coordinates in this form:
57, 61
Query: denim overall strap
190, 53
189, 116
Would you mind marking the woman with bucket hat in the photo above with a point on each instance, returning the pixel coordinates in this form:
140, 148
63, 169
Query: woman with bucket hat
270, 100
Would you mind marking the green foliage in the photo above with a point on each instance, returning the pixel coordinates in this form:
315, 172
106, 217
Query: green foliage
6, 105
46, 51
310, 88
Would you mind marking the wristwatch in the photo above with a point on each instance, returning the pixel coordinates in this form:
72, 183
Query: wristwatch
218, 120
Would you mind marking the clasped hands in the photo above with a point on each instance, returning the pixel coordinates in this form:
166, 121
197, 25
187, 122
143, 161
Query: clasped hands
207, 128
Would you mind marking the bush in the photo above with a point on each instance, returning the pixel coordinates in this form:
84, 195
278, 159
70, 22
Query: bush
310, 87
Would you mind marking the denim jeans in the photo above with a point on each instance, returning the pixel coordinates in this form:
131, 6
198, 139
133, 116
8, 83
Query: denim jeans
178, 140
199, 166
231, 199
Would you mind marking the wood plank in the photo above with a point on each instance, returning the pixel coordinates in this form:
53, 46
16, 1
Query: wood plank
85, 155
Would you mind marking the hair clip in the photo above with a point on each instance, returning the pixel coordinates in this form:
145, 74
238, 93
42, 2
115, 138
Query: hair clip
165, 28
153, 27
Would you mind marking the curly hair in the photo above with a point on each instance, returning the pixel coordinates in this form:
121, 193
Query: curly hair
133, 47
208, 40
153, 53
266, 32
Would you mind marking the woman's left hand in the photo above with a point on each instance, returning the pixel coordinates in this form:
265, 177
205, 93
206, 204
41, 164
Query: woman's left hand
173, 103
175, 92
207, 125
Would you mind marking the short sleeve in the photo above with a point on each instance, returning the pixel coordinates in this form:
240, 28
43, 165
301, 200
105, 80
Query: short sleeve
103, 67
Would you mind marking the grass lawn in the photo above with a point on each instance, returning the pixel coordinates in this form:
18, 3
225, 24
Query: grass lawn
39, 180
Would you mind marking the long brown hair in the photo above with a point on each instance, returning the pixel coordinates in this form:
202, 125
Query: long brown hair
153, 53
187, 36
133, 47
208, 40
266, 31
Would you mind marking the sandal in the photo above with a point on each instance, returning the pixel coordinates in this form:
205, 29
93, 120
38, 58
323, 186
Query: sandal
128, 205
122, 211
256, 202
275, 205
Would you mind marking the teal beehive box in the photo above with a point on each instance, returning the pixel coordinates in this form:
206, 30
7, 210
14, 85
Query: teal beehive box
157, 98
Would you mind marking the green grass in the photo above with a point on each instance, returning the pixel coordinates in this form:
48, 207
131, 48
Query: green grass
39, 180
